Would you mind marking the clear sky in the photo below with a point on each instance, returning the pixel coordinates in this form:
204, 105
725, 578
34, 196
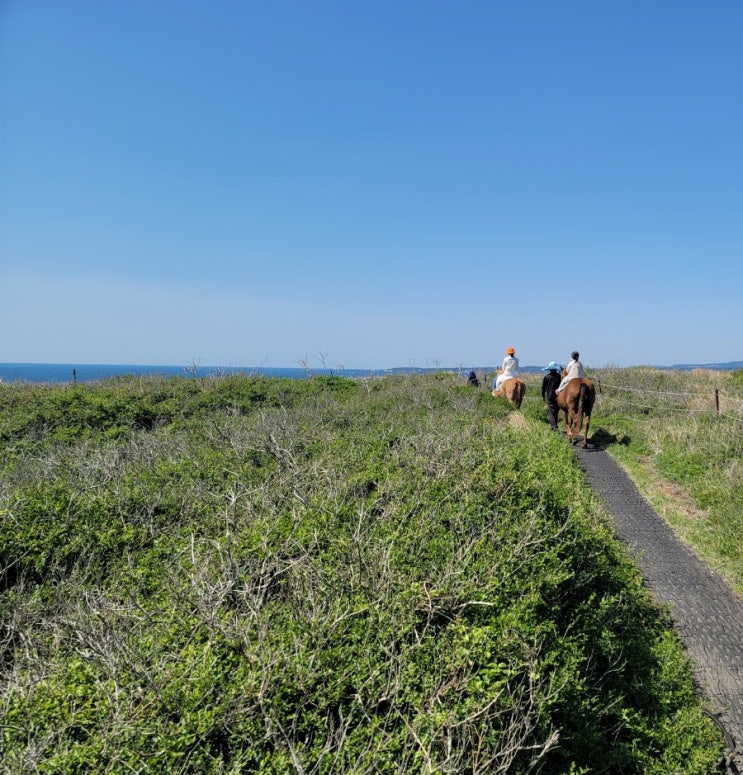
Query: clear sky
371, 183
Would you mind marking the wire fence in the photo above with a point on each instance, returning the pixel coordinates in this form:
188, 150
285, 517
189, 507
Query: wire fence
696, 403
645, 399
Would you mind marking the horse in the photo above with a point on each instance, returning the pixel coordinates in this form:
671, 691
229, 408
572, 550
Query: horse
512, 389
576, 401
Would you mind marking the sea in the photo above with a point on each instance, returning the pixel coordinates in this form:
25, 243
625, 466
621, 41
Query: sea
91, 372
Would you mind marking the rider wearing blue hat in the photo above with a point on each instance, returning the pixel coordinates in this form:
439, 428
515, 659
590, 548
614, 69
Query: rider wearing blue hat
550, 383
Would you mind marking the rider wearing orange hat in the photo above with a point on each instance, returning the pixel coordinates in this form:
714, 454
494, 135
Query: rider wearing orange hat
510, 368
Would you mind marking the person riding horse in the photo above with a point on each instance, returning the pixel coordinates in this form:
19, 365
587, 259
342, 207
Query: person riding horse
508, 370
574, 370
576, 399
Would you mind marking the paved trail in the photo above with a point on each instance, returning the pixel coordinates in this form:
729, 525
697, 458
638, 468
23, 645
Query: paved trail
708, 614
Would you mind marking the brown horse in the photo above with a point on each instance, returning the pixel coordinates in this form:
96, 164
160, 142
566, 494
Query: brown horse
513, 390
576, 401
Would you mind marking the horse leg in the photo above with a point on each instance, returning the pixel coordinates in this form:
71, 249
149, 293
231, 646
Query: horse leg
574, 428
567, 422
577, 425
585, 437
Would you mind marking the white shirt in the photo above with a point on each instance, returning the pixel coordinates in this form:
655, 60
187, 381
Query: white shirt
510, 366
573, 371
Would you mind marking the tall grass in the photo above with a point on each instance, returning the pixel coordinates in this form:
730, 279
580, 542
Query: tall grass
320, 576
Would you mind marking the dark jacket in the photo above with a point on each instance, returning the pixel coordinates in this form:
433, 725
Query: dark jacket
550, 383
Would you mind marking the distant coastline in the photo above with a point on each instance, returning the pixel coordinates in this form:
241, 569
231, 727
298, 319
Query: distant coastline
82, 372
87, 372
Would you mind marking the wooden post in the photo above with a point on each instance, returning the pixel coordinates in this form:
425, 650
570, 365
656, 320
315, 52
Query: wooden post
717, 401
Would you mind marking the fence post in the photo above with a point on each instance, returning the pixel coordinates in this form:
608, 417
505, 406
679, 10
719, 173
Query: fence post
717, 401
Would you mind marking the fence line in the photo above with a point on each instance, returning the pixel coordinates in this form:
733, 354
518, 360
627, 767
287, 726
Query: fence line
734, 399
665, 407
642, 390
669, 407
714, 404
704, 397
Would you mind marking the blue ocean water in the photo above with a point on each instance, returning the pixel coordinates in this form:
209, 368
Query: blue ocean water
86, 372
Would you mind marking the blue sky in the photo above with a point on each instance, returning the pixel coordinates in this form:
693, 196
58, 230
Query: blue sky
371, 184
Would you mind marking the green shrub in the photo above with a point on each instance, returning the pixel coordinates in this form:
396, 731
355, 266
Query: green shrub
326, 576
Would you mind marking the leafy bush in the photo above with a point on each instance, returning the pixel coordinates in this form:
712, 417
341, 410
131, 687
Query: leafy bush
322, 575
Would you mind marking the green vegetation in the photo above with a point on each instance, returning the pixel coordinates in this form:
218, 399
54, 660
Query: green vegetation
323, 576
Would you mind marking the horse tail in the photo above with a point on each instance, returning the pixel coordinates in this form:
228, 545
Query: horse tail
582, 398
517, 396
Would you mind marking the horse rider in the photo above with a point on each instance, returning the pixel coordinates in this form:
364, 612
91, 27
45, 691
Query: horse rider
510, 368
574, 370
550, 381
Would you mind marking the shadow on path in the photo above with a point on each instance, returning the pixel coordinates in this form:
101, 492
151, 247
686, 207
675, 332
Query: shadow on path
708, 614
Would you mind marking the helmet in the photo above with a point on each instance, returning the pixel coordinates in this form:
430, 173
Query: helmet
510, 351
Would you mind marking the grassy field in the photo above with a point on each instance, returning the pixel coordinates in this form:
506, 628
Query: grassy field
391, 575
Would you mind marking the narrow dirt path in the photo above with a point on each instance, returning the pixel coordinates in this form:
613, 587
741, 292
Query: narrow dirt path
708, 614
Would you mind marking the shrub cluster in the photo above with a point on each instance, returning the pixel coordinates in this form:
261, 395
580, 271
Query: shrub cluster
319, 576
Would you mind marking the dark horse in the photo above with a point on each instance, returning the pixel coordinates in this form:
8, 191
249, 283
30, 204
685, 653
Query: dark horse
576, 401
